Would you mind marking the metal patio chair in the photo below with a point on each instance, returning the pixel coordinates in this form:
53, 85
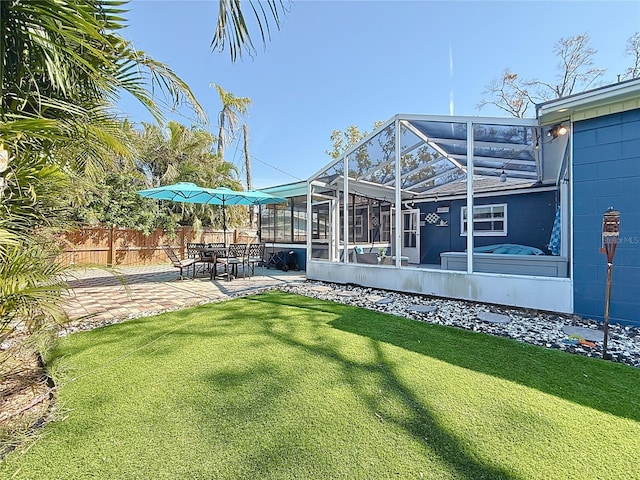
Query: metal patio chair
255, 256
176, 262
230, 258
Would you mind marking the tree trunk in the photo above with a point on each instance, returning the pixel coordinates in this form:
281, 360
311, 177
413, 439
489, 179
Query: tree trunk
247, 164
221, 138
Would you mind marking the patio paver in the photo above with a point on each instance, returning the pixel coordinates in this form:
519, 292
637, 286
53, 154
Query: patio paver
102, 296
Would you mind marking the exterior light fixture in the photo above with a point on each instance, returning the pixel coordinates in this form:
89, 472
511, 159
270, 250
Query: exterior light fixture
557, 131
503, 176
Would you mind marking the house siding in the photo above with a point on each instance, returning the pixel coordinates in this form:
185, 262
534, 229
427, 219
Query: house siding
606, 173
530, 219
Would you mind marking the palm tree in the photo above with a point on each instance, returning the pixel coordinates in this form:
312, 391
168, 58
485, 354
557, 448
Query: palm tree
62, 65
232, 108
232, 29
178, 153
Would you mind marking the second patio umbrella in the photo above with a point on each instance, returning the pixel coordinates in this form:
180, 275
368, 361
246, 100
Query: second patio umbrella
191, 193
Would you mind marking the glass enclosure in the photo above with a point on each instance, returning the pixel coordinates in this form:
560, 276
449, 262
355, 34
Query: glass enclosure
401, 196
284, 222
425, 167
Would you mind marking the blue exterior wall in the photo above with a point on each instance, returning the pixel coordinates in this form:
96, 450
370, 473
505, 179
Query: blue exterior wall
606, 173
300, 253
530, 219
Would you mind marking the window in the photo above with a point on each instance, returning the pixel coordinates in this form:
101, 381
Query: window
385, 221
284, 222
300, 220
320, 226
488, 220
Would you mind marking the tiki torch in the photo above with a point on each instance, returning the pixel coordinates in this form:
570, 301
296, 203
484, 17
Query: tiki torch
610, 234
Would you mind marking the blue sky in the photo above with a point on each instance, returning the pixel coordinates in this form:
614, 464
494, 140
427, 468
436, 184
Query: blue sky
339, 63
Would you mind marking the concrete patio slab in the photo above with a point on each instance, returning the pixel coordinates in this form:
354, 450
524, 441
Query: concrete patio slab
422, 308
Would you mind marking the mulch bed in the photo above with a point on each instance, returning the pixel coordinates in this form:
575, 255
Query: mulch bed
26, 394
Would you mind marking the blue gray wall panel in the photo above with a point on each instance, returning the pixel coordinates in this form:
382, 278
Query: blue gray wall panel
606, 173
529, 222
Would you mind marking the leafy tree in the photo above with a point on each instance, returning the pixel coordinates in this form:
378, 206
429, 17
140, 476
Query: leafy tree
181, 154
576, 72
63, 64
341, 140
163, 155
114, 202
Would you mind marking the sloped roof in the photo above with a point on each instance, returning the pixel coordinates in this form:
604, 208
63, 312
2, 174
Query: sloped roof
434, 150
481, 185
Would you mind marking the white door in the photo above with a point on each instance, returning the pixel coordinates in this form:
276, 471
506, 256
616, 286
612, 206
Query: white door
411, 235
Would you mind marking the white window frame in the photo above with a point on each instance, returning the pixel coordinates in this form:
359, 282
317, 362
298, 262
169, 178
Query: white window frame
478, 232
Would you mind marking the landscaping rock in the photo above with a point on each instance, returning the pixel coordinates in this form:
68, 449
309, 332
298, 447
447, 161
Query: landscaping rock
493, 317
590, 334
549, 330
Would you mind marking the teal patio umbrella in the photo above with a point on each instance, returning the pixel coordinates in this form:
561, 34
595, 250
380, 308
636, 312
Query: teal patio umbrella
191, 193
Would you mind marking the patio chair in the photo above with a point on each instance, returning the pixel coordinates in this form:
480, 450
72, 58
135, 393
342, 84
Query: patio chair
230, 258
196, 251
176, 262
255, 256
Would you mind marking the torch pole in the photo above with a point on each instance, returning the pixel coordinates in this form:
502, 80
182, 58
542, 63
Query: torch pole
610, 234
605, 353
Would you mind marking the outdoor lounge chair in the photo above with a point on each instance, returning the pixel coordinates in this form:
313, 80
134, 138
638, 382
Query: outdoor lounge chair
176, 262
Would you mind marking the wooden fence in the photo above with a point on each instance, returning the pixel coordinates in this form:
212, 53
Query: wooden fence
128, 247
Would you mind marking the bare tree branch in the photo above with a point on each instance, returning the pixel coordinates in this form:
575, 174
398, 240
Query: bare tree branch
633, 50
516, 96
509, 94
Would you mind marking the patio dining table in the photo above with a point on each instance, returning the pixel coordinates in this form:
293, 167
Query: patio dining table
229, 256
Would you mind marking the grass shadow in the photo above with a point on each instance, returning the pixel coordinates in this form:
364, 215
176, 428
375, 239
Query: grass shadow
591, 382
421, 424
571, 377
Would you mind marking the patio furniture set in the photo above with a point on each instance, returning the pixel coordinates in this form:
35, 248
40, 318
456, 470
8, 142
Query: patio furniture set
218, 259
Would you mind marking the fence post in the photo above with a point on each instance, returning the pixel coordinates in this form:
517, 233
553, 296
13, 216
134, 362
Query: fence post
111, 246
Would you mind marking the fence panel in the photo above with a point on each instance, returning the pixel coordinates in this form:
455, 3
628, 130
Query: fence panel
128, 247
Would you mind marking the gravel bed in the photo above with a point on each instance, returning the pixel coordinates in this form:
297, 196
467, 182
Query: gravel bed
545, 329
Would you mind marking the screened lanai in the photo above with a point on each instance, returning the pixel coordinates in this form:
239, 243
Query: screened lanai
412, 164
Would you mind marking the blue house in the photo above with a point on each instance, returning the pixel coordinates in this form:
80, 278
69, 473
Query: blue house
605, 160
392, 212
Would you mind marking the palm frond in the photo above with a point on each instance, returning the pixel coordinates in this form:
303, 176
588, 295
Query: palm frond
232, 29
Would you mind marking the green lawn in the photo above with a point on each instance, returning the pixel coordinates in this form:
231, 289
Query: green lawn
282, 386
